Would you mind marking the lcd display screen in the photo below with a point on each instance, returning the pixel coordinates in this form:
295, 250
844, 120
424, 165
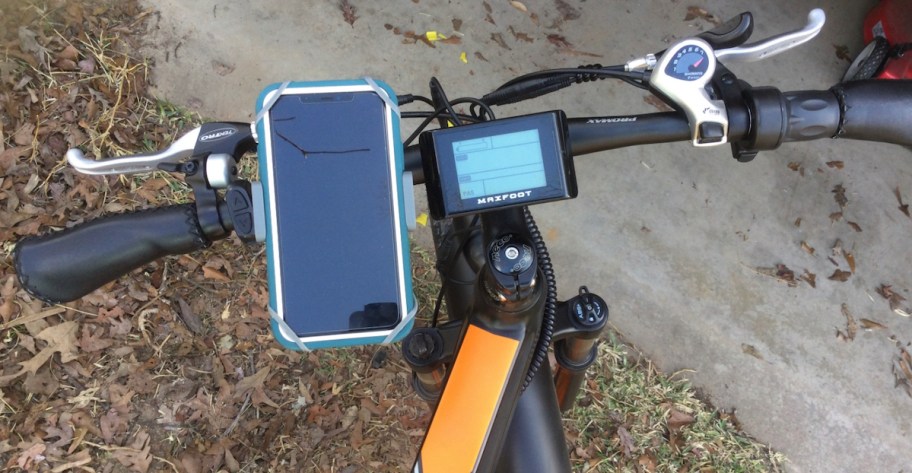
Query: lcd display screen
496, 164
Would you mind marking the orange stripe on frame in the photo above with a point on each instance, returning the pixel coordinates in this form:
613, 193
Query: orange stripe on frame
469, 402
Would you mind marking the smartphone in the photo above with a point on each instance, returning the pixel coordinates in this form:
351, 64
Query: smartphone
331, 164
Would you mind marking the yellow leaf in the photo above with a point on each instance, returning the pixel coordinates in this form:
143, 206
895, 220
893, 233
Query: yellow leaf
422, 219
463, 58
434, 36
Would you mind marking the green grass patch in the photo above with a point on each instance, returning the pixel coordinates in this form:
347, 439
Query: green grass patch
631, 417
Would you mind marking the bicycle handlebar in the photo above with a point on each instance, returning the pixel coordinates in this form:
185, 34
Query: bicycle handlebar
876, 110
69, 264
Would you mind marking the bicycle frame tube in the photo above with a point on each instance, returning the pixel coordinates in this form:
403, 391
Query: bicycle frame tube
474, 420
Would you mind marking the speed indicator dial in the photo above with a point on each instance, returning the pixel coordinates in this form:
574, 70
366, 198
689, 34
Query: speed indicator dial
689, 63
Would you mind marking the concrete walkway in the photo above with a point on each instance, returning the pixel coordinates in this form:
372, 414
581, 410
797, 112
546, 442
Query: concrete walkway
669, 234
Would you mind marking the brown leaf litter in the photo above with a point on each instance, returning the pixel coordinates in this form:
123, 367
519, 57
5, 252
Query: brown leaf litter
851, 328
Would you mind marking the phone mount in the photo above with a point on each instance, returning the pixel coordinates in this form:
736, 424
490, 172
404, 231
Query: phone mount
690, 76
207, 156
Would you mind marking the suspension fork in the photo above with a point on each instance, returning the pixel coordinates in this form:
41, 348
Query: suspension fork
497, 340
498, 318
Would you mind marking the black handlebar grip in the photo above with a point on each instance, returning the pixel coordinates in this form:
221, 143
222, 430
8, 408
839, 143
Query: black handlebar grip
810, 115
69, 264
876, 110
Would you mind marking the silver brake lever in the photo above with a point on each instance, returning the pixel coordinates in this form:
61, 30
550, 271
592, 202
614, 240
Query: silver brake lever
776, 44
178, 151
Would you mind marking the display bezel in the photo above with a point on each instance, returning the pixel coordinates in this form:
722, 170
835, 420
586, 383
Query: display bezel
442, 182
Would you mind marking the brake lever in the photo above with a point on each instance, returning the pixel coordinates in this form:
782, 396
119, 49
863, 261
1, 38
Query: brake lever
231, 139
775, 44
180, 150
683, 75
734, 32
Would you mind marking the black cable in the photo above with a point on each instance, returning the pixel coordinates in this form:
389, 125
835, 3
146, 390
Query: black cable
635, 83
424, 99
550, 311
610, 71
487, 113
439, 97
426, 114
542, 83
446, 275
457, 118
438, 303
424, 124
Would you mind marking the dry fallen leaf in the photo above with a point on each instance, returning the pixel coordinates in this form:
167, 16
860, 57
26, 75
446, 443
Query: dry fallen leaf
221, 68
869, 325
498, 38
647, 462
559, 41
519, 6
842, 52
837, 248
809, 278
886, 291
851, 326
798, 222
697, 12
348, 12
850, 259
797, 167
519, 36
750, 350
807, 248
902, 370
212, 273
854, 226
839, 195
627, 443
28, 458
566, 10
835, 164
781, 272
840, 276
480, 56
904, 208
835, 217
138, 455
677, 420
786, 274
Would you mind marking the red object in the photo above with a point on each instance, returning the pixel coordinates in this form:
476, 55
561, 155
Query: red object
892, 19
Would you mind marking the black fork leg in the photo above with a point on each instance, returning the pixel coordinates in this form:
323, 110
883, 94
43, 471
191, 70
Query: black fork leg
535, 440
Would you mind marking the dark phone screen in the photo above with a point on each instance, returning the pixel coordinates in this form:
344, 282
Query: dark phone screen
333, 197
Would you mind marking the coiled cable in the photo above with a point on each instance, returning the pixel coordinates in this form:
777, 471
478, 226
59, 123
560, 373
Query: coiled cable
547, 329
